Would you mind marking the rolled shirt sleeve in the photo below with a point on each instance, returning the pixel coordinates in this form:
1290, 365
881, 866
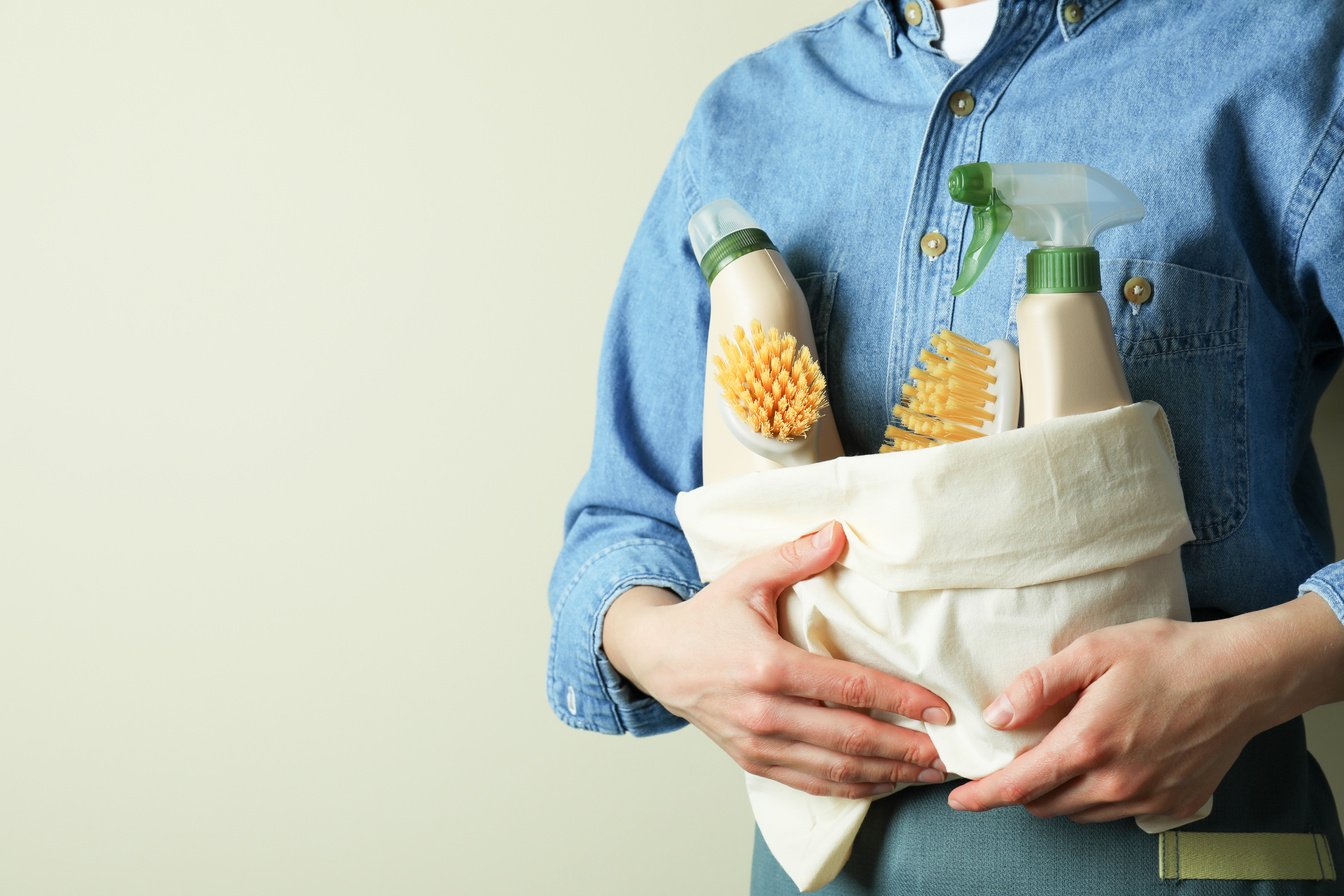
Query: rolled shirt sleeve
620, 525
1319, 269
1329, 584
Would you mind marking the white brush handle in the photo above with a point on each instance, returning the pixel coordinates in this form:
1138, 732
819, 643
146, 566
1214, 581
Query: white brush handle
787, 454
1007, 388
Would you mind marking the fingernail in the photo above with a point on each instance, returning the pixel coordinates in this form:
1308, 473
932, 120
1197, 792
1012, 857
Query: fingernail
936, 716
999, 713
931, 776
953, 804
824, 536
938, 764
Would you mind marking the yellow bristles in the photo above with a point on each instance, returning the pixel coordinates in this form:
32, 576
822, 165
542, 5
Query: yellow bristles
772, 384
947, 399
966, 350
903, 440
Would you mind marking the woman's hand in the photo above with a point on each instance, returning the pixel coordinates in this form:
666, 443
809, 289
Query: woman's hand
1163, 710
719, 662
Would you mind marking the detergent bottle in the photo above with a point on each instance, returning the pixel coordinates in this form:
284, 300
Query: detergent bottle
749, 281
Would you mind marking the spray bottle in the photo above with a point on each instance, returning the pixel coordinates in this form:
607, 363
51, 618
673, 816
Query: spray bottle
749, 280
1070, 364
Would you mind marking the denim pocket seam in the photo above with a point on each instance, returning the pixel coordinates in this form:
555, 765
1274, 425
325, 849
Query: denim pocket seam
1236, 515
1180, 345
819, 304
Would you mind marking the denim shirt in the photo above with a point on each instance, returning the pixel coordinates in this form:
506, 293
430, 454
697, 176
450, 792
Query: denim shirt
1226, 119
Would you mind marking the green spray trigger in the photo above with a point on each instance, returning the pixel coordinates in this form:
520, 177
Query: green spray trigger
1059, 206
991, 223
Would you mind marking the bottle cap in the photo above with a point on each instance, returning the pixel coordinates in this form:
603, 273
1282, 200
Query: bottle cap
1063, 269
722, 232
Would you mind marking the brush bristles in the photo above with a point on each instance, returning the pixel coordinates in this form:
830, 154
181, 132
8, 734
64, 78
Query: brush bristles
772, 383
947, 399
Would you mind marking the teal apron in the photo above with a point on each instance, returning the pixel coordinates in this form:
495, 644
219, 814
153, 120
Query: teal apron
912, 843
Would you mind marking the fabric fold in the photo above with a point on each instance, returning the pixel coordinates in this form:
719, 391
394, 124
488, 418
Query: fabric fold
965, 564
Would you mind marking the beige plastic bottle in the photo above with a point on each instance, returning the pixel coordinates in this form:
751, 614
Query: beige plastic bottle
1069, 360
749, 280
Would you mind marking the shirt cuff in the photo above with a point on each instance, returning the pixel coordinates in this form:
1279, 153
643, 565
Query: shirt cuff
585, 690
1329, 584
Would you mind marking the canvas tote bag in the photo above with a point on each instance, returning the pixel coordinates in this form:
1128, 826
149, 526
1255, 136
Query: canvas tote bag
965, 565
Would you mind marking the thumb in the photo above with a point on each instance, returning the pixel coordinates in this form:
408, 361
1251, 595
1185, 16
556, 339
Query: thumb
768, 575
1043, 685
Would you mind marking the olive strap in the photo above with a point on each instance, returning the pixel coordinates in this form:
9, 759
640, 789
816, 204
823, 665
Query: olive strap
1205, 856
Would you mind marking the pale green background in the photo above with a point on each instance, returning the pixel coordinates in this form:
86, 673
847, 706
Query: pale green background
301, 310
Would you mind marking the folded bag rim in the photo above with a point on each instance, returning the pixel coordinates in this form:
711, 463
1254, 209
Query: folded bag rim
973, 498
1085, 498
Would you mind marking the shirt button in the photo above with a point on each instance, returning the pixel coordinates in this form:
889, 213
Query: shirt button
961, 103
913, 14
933, 244
1138, 290
1073, 13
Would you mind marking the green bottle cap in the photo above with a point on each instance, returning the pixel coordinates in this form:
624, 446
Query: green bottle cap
732, 247
1063, 269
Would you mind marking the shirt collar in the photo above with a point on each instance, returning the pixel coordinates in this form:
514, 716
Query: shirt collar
928, 31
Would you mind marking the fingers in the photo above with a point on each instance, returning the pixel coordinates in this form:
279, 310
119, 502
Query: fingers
820, 787
820, 749
832, 751
813, 677
1111, 794
850, 733
1054, 761
1086, 795
844, 683
842, 768
767, 575
1094, 815
1089, 805
1038, 688
817, 770
1086, 799
1083, 802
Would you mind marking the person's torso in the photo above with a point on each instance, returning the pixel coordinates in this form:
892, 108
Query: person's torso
839, 140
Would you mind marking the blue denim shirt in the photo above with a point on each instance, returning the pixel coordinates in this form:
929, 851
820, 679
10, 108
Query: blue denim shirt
1227, 120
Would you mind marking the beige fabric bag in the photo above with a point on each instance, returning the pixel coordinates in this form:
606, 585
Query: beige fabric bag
965, 565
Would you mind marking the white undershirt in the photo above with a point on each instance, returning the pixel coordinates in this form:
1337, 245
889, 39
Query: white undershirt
966, 29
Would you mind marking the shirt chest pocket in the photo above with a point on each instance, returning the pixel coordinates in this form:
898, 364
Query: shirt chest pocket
1182, 338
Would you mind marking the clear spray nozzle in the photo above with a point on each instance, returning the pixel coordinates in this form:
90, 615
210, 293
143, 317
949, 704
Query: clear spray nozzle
1052, 204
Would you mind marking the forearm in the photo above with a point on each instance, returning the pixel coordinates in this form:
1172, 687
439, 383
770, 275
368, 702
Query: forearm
1300, 644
